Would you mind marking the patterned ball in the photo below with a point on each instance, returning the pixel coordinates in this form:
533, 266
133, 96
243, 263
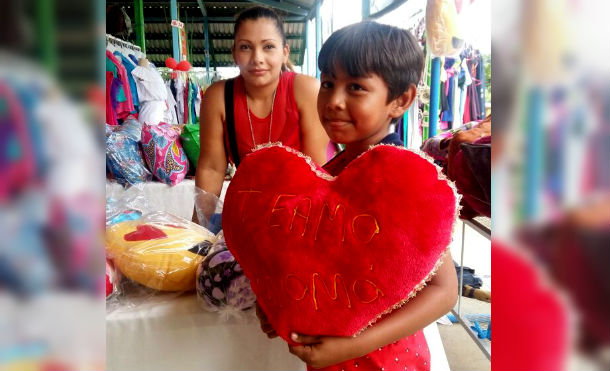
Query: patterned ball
221, 284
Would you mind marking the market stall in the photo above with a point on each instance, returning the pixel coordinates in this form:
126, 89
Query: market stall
155, 83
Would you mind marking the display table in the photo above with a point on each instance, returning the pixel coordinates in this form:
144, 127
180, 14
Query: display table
177, 200
173, 332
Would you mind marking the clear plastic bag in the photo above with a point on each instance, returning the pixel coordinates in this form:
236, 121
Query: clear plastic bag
159, 250
209, 210
123, 154
130, 206
221, 284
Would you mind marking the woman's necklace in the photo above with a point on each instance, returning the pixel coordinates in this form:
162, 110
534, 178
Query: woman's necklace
270, 121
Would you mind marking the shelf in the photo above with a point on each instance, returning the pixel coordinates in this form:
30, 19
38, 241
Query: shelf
482, 225
483, 344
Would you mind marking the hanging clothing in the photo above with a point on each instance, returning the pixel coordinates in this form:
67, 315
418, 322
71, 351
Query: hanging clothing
464, 80
152, 94
481, 86
195, 101
111, 118
129, 67
187, 102
134, 59
172, 88
179, 85
285, 127
124, 98
170, 115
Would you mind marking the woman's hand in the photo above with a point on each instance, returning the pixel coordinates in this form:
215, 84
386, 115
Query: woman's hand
323, 351
265, 325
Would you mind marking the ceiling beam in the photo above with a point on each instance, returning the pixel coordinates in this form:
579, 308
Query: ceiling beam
283, 6
218, 20
202, 7
395, 4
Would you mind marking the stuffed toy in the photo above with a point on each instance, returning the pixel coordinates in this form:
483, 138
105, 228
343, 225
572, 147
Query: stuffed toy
331, 255
158, 254
221, 284
442, 28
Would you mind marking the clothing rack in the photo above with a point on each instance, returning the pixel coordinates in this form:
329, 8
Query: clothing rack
123, 44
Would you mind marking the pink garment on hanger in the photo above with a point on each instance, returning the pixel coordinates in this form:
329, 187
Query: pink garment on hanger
110, 114
123, 108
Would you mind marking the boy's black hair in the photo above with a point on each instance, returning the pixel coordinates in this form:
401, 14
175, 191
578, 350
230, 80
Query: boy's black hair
257, 12
369, 47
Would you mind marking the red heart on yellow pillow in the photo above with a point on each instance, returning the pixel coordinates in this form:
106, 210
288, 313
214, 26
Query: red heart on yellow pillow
145, 233
330, 255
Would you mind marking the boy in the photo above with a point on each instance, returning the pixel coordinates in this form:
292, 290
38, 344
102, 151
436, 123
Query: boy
369, 77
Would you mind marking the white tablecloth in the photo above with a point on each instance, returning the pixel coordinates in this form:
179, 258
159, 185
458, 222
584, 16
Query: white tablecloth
175, 333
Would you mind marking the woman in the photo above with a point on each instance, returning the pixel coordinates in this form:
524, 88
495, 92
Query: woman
270, 103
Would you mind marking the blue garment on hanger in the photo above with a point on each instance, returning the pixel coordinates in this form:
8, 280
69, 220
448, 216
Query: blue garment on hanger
133, 58
447, 115
129, 66
193, 98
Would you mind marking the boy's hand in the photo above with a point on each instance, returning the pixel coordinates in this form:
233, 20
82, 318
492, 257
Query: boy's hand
265, 325
323, 351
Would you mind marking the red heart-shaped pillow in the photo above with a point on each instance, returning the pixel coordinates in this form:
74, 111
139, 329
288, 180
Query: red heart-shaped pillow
330, 255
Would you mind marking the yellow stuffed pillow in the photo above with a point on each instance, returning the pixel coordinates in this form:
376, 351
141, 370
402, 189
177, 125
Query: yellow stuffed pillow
159, 251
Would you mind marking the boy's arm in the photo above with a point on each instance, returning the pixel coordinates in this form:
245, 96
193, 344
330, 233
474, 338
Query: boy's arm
435, 300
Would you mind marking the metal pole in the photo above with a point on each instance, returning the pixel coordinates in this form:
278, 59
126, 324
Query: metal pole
534, 149
405, 127
461, 269
366, 9
318, 36
138, 9
175, 36
206, 34
45, 17
434, 95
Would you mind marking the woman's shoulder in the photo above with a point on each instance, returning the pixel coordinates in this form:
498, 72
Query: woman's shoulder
305, 88
213, 98
216, 88
304, 81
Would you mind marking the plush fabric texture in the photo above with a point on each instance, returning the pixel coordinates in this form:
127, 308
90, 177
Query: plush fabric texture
221, 283
163, 153
158, 255
330, 256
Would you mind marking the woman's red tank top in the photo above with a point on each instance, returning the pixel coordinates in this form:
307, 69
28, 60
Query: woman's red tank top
285, 127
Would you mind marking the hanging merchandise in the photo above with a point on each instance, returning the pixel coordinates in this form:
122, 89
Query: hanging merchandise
151, 92
442, 28
18, 152
129, 67
118, 90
